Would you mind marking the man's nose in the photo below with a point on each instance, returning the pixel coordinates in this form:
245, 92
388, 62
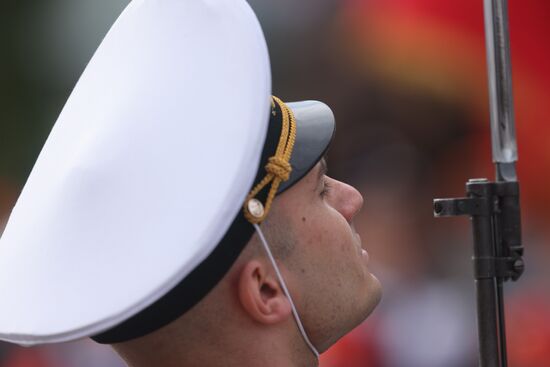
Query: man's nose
349, 201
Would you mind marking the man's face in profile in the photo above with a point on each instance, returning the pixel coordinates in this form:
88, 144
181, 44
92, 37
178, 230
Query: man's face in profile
327, 268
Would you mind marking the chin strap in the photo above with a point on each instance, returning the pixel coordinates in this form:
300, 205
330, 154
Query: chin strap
285, 290
278, 170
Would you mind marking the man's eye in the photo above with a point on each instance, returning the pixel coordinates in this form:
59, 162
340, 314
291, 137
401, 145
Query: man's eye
326, 188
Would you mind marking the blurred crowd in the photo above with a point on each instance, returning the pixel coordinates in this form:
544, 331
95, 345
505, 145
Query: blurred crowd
407, 82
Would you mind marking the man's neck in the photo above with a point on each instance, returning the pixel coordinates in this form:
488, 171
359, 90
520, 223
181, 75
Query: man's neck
221, 351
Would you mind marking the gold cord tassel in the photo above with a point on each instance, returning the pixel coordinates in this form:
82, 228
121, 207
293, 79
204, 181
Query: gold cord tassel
278, 168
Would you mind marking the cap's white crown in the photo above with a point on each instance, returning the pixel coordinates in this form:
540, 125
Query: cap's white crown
142, 174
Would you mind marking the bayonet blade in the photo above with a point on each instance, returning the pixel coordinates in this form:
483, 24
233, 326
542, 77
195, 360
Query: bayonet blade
503, 132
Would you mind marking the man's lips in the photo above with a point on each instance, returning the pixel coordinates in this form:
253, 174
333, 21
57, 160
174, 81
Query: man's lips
364, 252
365, 255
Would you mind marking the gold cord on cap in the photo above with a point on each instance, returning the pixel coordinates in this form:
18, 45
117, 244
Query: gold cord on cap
278, 168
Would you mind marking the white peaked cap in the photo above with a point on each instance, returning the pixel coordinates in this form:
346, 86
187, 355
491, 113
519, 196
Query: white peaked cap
123, 201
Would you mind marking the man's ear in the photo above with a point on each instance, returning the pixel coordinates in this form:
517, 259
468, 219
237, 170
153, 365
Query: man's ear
261, 295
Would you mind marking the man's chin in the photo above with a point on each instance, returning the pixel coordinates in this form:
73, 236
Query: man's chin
373, 296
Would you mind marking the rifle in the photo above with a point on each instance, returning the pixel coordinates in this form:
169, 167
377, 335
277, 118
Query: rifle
493, 206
